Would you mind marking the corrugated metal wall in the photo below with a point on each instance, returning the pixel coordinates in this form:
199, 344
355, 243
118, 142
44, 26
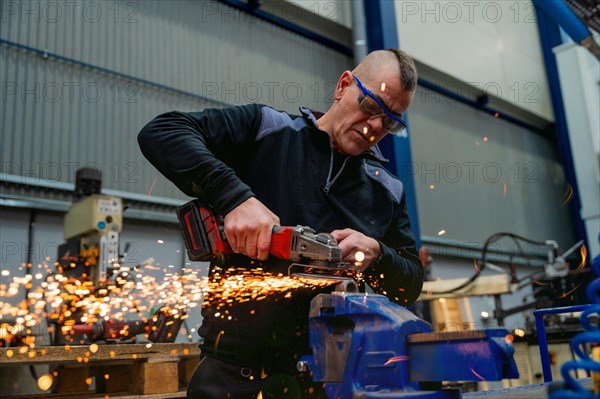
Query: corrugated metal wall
112, 66
476, 175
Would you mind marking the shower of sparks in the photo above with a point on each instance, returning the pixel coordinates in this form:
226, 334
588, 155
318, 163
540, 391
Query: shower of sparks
66, 301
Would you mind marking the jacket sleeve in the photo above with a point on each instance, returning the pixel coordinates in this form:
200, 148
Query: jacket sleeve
201, 151
398, 274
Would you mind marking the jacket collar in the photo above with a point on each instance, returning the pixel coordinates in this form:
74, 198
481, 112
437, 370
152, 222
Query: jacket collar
312, 116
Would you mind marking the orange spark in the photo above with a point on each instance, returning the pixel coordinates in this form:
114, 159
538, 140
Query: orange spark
396, 359
218, 338
583, 252
568, 195
476, 374
566, 294
152, 187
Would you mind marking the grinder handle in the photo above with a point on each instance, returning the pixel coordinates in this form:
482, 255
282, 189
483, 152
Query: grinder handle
281, 242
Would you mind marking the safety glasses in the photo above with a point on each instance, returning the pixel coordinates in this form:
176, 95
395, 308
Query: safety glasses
374, 107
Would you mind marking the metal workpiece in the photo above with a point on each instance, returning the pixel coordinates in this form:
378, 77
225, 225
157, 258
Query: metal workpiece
364, 346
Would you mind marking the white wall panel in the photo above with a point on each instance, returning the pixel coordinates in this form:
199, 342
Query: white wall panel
476, 175
492, 45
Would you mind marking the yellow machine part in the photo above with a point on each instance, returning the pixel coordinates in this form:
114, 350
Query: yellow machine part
97, 213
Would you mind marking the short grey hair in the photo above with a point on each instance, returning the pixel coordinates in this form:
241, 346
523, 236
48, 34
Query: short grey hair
408, 69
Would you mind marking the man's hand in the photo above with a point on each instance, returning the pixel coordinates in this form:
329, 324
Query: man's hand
351, 242
248, 229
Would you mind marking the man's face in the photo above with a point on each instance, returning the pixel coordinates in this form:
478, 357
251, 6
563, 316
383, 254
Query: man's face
354, 130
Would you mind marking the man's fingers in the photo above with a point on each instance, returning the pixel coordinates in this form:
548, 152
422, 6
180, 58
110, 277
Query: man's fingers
232, 240
264, 243
340, 235
250, 247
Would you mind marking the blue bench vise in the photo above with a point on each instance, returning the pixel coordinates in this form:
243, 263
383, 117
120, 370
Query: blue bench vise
366, 347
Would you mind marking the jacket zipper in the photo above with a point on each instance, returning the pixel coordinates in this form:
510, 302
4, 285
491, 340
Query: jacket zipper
330, 181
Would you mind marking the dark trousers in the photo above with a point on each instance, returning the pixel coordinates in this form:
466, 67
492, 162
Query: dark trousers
215, 379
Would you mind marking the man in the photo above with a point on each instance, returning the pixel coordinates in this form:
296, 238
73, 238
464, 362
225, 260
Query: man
261, 168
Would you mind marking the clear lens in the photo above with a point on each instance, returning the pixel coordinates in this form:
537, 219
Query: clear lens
372, 108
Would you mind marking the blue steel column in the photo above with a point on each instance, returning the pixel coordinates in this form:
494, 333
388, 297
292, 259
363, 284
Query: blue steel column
380, 18
550, 37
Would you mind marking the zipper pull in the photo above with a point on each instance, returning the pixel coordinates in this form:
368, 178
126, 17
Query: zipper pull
326, 188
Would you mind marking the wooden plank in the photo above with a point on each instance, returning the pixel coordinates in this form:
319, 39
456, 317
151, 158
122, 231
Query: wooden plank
186, 369
85, 353
484, 285
154, 377
114, 378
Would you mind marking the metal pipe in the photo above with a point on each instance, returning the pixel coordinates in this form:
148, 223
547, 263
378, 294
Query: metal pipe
359, 33
480, 106
455, 249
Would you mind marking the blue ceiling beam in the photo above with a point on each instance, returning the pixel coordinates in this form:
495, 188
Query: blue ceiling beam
550, 37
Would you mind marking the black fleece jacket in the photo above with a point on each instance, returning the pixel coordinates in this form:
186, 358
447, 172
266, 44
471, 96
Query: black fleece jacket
225, 156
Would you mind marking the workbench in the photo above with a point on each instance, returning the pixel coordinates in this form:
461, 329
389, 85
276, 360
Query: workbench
138, 370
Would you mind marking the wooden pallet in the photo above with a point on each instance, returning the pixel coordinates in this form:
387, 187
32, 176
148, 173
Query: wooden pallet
119, 370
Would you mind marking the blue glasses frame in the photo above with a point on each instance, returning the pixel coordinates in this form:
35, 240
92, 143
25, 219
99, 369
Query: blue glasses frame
400, 123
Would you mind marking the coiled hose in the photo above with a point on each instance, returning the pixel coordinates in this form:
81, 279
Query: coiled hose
570, 388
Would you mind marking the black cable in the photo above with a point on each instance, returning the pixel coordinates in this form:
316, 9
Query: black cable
484, 253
